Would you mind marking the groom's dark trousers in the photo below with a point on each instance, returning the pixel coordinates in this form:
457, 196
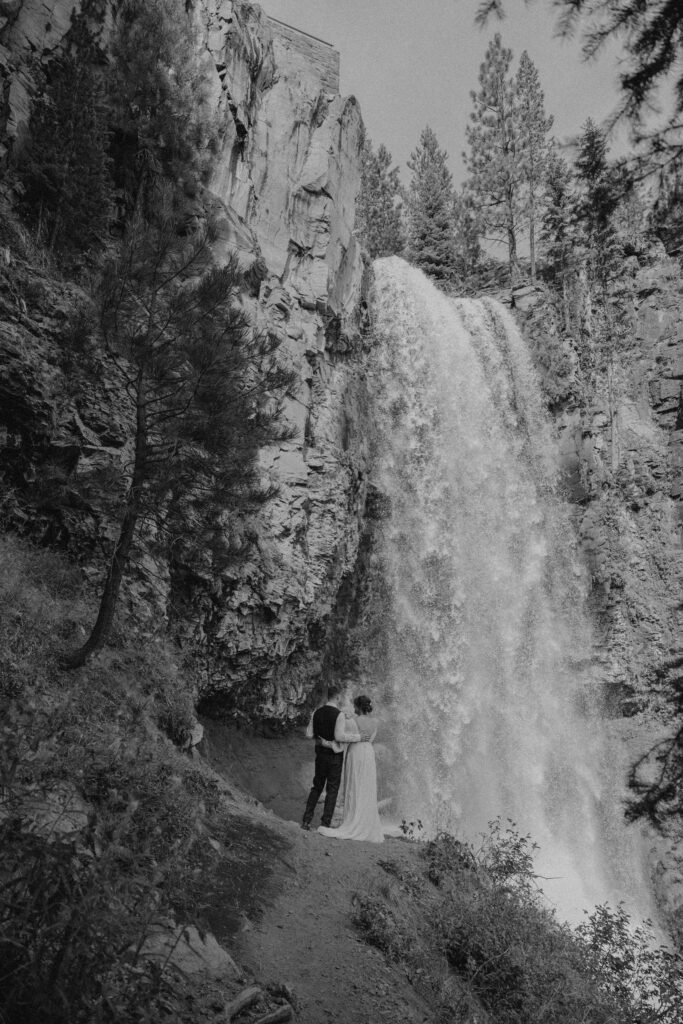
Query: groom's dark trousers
327, 775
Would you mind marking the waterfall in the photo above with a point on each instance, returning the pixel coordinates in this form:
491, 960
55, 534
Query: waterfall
490, 699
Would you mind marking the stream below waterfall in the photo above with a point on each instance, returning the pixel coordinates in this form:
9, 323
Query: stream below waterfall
491, 698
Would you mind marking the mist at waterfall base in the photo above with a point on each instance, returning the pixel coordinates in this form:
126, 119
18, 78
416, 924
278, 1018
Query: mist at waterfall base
490, 702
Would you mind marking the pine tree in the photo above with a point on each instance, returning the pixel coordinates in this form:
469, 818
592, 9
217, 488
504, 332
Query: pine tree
65, 168
467, 231
380, 218
653, 30
533, 144
600, 192
557, 225
205, 392
493, 162
430, 210
159, 93
601, 189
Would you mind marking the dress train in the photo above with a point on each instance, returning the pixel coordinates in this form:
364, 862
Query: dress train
361, 818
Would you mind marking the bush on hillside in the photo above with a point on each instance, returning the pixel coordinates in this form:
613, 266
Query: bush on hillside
477, 931
101, 819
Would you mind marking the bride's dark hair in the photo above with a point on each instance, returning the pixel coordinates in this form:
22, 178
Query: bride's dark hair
363, 705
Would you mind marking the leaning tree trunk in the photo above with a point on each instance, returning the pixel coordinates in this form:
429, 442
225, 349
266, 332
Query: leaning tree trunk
112, 584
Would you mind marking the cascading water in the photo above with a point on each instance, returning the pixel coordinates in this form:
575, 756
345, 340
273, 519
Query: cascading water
488, 677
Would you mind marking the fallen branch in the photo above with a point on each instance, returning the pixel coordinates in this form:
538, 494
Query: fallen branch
276, 1016
246, 998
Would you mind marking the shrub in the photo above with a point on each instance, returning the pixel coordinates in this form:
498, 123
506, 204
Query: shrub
384, 924
488, 944
101, 818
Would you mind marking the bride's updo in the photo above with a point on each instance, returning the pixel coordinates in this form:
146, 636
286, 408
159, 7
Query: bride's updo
363, 705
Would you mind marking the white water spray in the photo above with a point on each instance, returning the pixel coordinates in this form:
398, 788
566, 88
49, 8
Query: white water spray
489, 670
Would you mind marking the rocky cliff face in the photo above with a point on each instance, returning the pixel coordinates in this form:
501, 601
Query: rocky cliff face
621, 467
283, 194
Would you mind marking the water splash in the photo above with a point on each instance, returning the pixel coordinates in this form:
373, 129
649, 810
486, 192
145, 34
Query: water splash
489, 670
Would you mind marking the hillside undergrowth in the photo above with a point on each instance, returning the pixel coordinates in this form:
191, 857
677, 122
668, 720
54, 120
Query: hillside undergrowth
112, 834
477, 937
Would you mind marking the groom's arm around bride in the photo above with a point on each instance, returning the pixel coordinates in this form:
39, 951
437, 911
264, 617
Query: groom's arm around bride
328, 727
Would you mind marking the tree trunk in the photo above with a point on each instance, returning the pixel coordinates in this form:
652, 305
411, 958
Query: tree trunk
512, 256
565, 299
112, 584
512, 241
532, 238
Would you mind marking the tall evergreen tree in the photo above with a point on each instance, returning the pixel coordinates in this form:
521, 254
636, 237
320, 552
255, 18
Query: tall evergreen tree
204, 389
601, 189
467, 235
430, 209
533, 144
380, 216
653, 30
493, 162
65, 167
159, 93
557, 224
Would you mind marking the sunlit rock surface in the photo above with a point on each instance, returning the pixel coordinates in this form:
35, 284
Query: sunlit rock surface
289, 170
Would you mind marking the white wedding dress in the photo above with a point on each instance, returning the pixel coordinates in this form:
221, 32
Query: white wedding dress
361, 817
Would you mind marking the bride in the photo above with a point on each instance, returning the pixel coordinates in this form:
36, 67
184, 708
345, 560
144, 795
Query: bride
361, 817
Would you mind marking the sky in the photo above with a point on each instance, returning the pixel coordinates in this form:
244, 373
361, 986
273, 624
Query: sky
410, 63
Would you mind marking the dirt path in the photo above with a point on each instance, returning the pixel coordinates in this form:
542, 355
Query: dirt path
307, 939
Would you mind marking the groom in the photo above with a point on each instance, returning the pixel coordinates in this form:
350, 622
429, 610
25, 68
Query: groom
326, 724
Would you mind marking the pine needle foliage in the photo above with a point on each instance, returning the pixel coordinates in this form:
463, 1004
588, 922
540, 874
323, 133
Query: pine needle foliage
656, 778
653, 35
533, 126
379, 211
205, 390
431, 243
493, 161
558, 222
65, 168
162, 125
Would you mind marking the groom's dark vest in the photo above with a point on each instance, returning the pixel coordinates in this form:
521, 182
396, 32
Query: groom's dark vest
324, 720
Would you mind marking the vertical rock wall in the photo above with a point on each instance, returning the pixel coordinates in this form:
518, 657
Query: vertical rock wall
622, 469
289, 176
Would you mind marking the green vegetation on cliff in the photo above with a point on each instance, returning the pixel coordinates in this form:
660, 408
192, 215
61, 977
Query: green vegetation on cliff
115, 839
473, 930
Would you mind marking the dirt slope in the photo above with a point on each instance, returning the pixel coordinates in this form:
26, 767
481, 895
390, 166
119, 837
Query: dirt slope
305, 937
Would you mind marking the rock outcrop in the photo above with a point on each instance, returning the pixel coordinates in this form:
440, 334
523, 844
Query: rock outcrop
282, 194
621, 467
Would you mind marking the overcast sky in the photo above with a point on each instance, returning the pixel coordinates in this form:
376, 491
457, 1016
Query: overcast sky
414, 62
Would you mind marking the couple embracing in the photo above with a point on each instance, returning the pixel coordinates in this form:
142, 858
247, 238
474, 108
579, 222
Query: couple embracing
343, 743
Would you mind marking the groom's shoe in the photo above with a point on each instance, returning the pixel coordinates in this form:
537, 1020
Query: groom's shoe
305, 826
